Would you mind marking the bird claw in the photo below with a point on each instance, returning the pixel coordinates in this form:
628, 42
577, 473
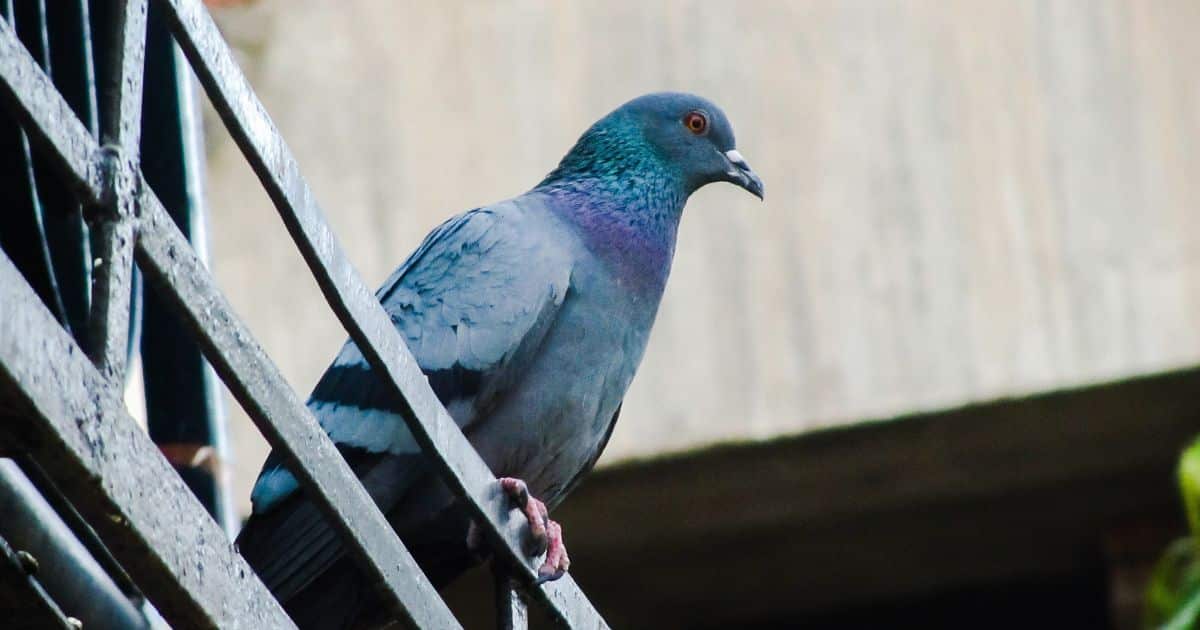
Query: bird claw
534, 510
557, 562
545, 535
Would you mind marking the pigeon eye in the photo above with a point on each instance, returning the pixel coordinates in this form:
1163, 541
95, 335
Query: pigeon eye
696, 122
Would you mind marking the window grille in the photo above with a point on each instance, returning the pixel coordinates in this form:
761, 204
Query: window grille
63, 404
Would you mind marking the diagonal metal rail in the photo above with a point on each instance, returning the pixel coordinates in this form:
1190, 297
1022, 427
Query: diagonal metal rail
110, 176
114, 474
167, 257
463, 470
18, 581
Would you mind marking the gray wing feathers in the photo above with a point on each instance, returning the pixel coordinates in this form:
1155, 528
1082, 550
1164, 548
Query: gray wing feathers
474, 292
474, 303
293, 543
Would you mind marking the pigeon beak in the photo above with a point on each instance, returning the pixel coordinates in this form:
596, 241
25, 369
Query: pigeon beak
741, 174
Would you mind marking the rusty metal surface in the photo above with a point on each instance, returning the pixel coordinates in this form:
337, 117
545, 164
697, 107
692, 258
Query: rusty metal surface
355, 305
75, 426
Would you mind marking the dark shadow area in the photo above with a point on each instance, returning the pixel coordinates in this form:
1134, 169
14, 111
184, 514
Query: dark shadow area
1078, 602
1031, 512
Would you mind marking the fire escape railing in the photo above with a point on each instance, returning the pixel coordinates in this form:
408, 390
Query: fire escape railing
64, 404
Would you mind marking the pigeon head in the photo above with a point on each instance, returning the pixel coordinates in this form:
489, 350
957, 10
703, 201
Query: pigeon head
667, 139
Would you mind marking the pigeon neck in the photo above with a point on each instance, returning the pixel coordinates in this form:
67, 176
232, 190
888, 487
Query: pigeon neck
614, 164
650, 200
625, 198
634, 233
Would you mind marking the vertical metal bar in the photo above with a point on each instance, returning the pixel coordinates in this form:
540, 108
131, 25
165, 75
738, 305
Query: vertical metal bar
112, 243
48, 119
22, 231
77, 580
122, 76
184, 408
69, 30
511, 610
55, 36
112, 239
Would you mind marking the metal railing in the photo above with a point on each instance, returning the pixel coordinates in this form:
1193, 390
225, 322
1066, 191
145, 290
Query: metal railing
64, 404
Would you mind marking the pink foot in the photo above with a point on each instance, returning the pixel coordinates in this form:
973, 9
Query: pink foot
545, 534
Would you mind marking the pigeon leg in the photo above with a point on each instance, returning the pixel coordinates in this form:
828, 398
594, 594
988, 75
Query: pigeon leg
545, 534
557, 562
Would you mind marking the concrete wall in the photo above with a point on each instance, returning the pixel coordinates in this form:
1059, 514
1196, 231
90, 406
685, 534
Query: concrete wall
964, 200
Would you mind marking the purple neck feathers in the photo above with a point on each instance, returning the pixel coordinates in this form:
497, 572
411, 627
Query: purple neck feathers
632, 228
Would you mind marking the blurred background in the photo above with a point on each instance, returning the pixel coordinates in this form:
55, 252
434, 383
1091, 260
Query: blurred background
944, 370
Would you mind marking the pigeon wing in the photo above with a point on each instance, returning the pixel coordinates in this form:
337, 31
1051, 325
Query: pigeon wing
473, 302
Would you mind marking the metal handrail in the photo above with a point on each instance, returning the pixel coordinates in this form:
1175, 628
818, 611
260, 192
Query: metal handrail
76, 426
110, 177
355, 304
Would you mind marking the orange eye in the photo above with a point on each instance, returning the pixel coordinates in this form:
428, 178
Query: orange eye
696, 122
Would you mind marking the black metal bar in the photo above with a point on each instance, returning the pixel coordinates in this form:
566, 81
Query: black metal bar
70, 46
65, 568
56, 38
121, 74
112, 244
74, 424
184, 407
78, 526
121, 81
22, 232
26, 604
164, 254
461, 467
48, 120
36, 104
167, 260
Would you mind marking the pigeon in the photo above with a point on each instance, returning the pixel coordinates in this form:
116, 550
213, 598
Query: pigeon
529, 317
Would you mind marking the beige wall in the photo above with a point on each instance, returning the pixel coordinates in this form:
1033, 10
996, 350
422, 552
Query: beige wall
964, 200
